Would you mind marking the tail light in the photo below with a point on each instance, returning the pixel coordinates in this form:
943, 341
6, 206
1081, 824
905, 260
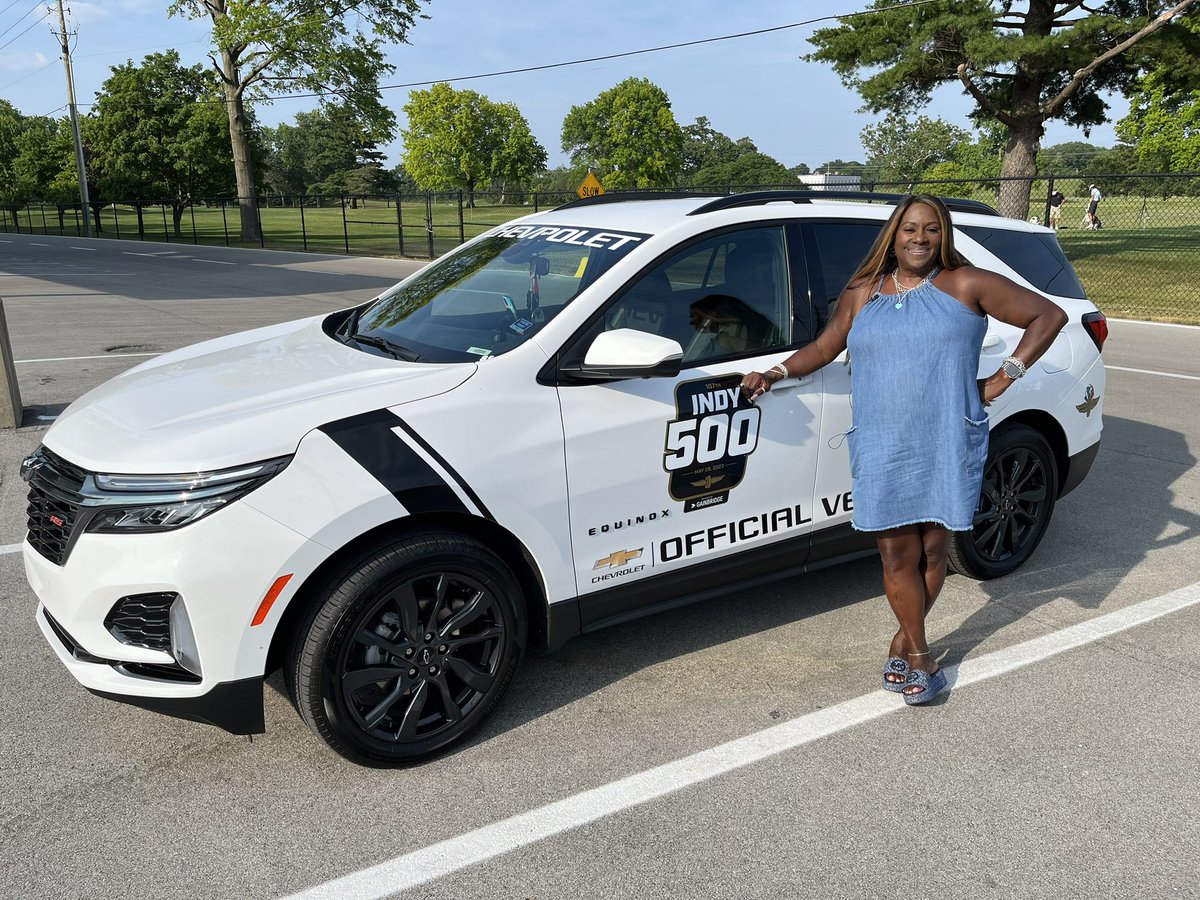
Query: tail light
1096, 326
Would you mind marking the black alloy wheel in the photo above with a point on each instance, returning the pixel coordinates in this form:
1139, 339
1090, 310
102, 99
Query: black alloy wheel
408, 649
1020, 484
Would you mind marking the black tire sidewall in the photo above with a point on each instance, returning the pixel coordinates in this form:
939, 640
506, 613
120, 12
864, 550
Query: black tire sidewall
336, 614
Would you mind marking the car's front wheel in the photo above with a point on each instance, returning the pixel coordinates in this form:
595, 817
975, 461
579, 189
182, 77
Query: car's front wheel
1020, 484
408, 648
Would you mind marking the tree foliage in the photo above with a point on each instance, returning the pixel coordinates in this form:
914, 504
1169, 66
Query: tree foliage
627, 135
327, 150
1164, 125
160, 132
1022, 63
334, 48
903, 150
711, 158
459, 139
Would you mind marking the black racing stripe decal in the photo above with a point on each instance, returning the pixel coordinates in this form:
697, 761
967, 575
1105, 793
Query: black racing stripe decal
369, 440
441, 461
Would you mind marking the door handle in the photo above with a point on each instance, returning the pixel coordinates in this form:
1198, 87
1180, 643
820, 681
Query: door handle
791, 384
992, 341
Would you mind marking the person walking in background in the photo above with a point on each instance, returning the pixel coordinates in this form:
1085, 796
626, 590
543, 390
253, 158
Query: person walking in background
1093, 218
914, 316
1057, 199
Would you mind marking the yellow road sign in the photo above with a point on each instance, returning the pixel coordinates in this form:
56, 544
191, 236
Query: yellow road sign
591, 186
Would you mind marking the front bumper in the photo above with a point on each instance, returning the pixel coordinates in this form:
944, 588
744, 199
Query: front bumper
221, 567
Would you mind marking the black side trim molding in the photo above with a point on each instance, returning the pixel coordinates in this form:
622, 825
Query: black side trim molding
369, 441
235, 706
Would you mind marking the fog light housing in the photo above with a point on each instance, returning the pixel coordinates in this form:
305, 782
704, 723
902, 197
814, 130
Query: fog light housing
183, 639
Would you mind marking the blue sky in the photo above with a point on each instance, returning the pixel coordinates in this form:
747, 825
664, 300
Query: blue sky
756, 86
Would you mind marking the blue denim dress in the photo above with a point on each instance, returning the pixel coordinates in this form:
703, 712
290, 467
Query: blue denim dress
919, 437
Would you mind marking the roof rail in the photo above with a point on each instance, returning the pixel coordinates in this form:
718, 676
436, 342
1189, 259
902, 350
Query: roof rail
622, 196
758, 198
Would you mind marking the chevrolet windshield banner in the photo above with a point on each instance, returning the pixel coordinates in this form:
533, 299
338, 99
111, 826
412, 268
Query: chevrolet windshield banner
708, 442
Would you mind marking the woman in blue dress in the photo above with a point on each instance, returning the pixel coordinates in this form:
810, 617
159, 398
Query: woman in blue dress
914, 316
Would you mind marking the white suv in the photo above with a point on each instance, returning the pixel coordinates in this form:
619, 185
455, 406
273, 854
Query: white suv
537, 435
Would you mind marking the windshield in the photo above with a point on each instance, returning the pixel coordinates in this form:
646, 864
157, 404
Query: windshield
488, 296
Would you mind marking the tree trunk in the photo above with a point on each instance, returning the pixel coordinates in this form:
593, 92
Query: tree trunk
239, 139
96, 209
141, 222
1020, 162
177, 210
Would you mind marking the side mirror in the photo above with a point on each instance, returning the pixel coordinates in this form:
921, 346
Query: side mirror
626, 353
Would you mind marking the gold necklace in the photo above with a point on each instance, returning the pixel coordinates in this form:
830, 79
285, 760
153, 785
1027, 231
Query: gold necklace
902, 291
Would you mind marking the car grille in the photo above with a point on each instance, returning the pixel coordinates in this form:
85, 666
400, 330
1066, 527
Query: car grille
142, 620
55, 510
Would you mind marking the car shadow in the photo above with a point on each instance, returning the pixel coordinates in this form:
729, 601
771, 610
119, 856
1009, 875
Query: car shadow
1122, 512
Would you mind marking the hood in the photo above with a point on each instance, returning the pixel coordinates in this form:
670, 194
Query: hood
244, 397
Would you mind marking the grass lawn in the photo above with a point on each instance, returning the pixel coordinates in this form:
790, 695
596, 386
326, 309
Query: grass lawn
1144, 263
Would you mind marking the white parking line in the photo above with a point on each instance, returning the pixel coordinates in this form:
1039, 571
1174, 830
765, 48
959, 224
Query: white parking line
10, 548
1149, 372
74, 358
482, 844
219, 262
36, 244
87, 249
1157, 324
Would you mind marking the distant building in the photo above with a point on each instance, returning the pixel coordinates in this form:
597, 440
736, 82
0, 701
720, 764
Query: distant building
832, 182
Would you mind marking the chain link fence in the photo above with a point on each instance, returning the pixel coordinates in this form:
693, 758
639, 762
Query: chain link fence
1142, 261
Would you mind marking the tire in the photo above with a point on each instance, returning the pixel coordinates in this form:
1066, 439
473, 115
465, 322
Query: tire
1020, 484
407, 648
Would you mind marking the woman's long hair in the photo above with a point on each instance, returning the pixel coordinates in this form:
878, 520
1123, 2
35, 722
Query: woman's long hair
881, 258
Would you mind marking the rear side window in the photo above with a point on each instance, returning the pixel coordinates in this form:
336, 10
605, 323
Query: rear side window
1036, 257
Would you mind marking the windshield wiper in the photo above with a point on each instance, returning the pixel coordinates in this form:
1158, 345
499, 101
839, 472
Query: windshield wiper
396, 351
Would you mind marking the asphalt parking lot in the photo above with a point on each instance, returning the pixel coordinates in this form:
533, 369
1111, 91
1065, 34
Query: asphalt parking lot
735, 748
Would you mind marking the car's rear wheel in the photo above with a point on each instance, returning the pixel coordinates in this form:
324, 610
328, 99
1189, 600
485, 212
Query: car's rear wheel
408, 648
1020, 483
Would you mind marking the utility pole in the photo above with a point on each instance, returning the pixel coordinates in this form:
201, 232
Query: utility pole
80, 167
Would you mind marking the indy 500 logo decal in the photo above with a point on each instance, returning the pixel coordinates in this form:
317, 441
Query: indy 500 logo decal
707, 444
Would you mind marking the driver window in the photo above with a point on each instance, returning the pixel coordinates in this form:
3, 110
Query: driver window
724, 297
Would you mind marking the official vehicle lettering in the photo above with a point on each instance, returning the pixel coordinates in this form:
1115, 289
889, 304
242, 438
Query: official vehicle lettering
580, 237
707, 443
727, 534
619, 558
843, 502
628, 523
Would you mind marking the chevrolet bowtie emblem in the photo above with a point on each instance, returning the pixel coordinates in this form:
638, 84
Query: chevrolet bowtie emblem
617, 559
1089, 401
708, 482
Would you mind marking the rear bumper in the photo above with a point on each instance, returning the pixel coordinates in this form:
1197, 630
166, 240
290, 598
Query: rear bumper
1078, 467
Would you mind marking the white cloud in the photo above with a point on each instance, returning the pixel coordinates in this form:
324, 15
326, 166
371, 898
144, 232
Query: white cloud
22, 62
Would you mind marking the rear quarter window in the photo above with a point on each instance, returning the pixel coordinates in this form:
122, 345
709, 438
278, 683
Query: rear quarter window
1035, 257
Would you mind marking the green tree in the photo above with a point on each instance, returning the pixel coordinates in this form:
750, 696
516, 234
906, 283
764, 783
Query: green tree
628, 135
1164, 127
705, 147
328, 150
841, 167
462, 140
748, 170
12, 125
44, 168
1066, 159
332, 47
1022, 64
903, 150
161, 134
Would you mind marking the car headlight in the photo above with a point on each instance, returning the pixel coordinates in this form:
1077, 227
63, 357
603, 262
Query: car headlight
125, 503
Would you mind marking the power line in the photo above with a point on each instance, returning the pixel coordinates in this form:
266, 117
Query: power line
38, 22
592, 59
20, 19
15, 2
30, 75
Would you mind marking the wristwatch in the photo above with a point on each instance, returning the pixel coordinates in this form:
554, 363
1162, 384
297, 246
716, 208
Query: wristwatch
1013, 368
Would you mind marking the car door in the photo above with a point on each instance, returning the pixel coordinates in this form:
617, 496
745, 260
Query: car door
670, 472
